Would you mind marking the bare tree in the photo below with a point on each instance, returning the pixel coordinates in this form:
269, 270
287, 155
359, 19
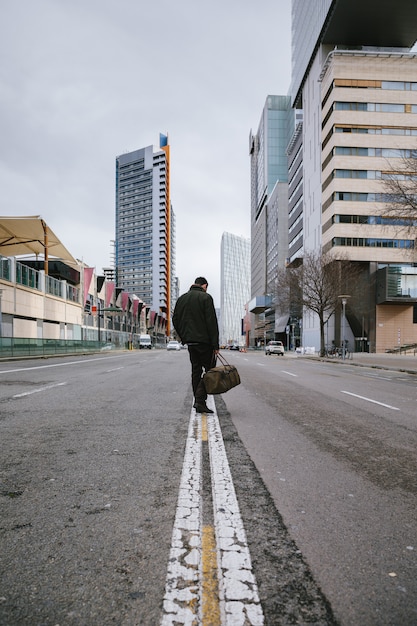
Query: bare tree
315, 285
400, 185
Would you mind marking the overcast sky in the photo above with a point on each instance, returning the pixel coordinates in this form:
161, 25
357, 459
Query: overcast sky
82, 81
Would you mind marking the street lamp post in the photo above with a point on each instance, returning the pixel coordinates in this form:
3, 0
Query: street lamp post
98, 320
344, 299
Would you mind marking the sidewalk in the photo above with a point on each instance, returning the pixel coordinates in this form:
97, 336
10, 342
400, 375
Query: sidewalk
402, 363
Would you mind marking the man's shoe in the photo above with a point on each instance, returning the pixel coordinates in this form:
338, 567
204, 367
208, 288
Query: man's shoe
202, 408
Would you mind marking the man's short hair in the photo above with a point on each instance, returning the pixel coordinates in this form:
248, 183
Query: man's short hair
201, 281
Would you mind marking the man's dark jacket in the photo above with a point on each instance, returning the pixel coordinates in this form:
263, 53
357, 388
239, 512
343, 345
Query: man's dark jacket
195, 318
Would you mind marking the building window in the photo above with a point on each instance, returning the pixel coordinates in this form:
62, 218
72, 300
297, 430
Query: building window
351, 174
350, 106
399, 85
351, 151
379, 107
370, 242
347, 196
373, 220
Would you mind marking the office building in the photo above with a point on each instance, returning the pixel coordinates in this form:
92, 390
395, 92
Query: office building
352, 74
145, 230
269, 209
295, 195
234, 287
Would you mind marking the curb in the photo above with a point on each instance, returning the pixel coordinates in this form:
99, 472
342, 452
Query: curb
379, 366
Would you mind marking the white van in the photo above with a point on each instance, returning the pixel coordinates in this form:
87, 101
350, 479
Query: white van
145, 341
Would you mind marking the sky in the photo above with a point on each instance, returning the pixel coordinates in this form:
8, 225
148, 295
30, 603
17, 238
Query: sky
83, 81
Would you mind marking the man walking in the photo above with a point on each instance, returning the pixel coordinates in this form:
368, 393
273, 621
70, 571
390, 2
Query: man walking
195, 322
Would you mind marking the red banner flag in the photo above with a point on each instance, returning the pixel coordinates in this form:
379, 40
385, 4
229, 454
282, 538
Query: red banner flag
88, 275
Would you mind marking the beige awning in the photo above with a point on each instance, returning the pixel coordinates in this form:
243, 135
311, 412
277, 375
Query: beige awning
23, 236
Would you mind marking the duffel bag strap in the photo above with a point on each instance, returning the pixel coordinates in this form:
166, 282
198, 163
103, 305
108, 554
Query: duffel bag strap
222, 359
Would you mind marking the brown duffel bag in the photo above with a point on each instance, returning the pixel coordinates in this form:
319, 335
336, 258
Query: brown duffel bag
222, 378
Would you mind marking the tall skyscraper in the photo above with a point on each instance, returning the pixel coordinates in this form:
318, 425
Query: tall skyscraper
234, 286
269, 207
353, 77
268, 167
295, 194
145, 229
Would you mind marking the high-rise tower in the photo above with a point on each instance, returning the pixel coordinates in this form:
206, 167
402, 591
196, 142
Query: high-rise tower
269, 207
145, 229
235, 286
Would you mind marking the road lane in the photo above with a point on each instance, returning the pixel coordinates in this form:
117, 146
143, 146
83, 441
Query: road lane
343, 475
89, 475
396, 390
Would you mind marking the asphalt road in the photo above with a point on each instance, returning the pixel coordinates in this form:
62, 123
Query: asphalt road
323, 460
336, 447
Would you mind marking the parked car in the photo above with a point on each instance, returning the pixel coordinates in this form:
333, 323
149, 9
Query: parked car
274, 347
173, 345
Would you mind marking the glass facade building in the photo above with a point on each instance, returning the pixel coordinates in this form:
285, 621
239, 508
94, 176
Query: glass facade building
145, 228
269, 204
234, 286
269, 166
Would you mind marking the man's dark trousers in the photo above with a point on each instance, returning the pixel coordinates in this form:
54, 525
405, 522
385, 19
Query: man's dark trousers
202, 357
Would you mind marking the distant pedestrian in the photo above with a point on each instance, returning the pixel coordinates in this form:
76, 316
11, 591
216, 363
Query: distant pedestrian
195, 322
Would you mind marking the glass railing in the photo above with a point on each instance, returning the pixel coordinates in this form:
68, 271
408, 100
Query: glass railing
4, 268
73, 293
27, 276
53, 286
23, 347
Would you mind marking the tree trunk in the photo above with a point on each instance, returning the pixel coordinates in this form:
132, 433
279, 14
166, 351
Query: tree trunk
322, 345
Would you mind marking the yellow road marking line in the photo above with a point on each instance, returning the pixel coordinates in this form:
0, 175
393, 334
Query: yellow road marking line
210, 586
204, 436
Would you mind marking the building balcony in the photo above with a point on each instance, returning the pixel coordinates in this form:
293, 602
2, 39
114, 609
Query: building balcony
396, 284
259, 304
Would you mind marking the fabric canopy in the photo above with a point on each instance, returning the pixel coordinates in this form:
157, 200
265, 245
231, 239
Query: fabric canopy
31, 236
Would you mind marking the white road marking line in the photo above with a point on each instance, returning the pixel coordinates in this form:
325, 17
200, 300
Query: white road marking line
261, 364
182, 591
289, 373
29, 393
376, 376
239, 597
355, 395
115, 369
41, 367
